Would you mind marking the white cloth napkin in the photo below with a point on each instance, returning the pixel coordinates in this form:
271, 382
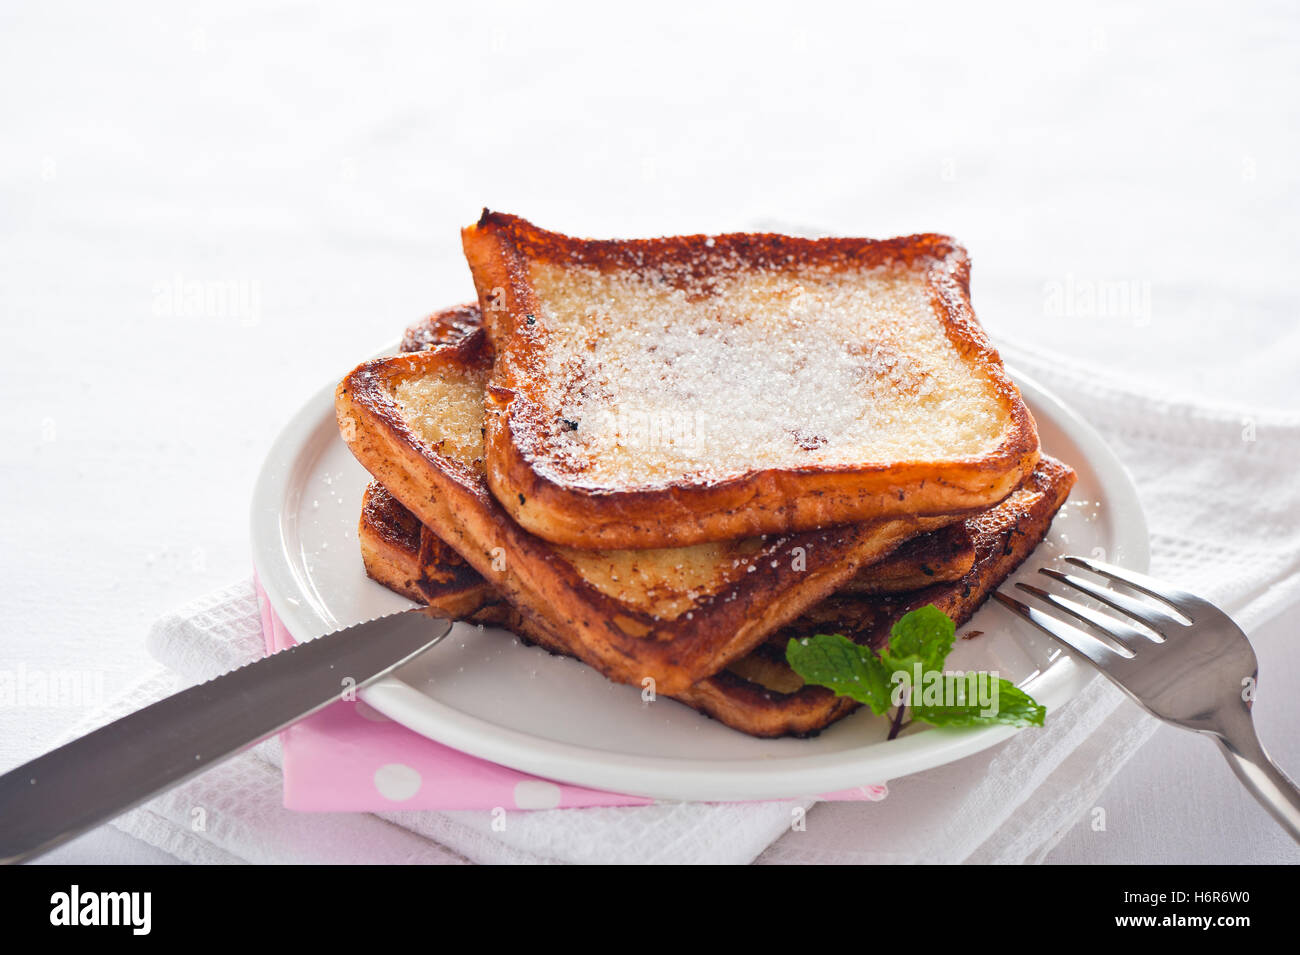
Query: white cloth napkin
234, 812
1221, 502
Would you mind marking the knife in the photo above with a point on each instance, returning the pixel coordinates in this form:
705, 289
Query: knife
101, 775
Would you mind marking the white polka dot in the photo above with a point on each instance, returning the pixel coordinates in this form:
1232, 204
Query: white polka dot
368, 712
397, 781
536, 794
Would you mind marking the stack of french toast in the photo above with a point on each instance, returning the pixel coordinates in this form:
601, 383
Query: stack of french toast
668, 457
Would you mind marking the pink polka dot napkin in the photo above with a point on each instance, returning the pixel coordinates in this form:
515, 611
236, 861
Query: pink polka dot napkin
351, 758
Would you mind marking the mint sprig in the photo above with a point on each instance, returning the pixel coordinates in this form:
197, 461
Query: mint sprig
1015, 707
839, 664
908, 674
925, 636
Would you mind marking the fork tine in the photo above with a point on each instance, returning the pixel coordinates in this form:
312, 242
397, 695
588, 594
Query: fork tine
1102, 656
1180, 600
1119, 632
1147, 614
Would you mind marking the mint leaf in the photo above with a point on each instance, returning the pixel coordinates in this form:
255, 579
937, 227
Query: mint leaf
924, 636
1010, 705
839, 664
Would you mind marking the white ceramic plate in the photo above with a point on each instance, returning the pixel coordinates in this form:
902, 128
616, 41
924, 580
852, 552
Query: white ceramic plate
484, 693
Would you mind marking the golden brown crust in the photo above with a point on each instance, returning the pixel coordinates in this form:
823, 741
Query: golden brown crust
408, 557
945, 554
444, 327
390, 542
499, 247
932, 558
1002, 537
403, 555
737, 702
626, 644
392, 546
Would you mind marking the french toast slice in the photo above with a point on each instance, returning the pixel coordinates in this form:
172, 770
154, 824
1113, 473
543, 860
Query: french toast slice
389, 535
674, 615
443, 327
945, 554
405, 556
758, 693
661, 392
763, 695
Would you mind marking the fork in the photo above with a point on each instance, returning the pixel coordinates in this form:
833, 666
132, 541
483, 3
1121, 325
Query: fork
1186, 663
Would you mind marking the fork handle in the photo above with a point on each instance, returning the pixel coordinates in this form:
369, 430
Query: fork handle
1255, 768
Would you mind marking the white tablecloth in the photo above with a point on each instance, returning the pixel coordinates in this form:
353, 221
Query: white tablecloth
207, 211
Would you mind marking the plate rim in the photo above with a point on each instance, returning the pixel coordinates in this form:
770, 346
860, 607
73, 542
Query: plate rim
654, 776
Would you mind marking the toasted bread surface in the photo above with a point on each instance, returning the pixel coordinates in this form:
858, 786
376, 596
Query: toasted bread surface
758, 693
675, 615
945, 554
399, 552
732, 697
389, 535
667, 391
443, 327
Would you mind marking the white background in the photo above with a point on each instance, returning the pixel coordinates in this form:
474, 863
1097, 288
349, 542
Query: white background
323, 157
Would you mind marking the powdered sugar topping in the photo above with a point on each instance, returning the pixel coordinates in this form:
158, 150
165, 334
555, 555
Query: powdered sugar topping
652, 379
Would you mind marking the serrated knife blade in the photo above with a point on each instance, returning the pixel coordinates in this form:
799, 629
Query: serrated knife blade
104, 773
